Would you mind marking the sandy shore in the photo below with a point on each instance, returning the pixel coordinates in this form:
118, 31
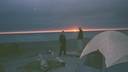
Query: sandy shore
15, 55
29, 50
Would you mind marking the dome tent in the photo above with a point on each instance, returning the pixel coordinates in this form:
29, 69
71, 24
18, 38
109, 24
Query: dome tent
112, 44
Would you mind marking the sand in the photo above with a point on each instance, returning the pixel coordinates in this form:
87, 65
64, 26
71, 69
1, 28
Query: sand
30, 50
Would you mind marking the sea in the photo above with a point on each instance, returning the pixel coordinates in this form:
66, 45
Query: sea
42, 37
46, 36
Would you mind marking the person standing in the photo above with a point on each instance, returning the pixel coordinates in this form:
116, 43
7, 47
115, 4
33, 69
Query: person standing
62, 41
80, 38
80, 34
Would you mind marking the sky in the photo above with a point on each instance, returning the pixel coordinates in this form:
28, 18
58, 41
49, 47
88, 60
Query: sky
27, 15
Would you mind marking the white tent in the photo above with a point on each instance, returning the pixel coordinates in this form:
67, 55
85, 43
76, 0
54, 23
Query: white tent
112, 44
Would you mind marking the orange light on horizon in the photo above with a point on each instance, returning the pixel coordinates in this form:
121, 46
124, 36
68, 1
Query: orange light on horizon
72, 30
59, 30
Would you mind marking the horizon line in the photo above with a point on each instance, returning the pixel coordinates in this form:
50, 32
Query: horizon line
59, 30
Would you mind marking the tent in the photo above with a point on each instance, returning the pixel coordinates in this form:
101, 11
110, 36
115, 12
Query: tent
112, 44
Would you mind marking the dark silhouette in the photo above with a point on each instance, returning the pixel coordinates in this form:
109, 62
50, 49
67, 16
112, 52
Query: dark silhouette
62, 40
80, 34
80, 39
95, 59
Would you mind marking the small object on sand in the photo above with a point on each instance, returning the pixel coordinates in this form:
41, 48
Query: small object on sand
43, 62
51, 52
40, 57
59, 59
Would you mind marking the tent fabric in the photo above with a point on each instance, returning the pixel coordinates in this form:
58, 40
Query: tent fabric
112, 44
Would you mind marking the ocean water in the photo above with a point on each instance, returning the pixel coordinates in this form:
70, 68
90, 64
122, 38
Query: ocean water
41, 37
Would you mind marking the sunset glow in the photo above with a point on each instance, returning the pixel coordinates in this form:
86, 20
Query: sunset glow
59, 30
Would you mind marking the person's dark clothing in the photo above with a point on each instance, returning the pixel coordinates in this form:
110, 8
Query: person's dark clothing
62, 40
80, 35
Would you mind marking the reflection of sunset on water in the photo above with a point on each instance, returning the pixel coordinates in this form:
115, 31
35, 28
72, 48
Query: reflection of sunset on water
59, 30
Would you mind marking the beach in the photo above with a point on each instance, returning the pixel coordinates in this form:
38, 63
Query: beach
30, 50
14, 55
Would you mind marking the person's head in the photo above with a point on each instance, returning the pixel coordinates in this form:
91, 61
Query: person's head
62, 32
80, 28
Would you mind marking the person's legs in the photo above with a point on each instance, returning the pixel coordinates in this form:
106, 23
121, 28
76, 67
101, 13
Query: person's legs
60, 53
64, 51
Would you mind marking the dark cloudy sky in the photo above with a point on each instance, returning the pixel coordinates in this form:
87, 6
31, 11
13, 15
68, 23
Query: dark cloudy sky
18, 15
